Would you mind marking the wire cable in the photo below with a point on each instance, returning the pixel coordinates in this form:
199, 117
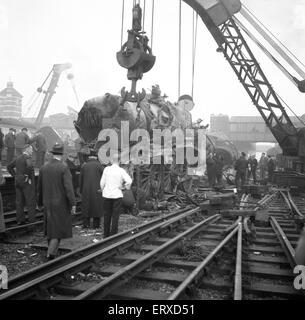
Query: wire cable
286, 104
274, 36
195, 28
144, 14
122, 22
152, 23
180, 42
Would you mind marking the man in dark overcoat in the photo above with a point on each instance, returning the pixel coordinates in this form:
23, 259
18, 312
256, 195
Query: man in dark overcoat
211, 170
271, 168
21, 141
1, 143
9, 143
241, 166
219, 162
90, 177
2, 222
40, 147
56, 194
22, 170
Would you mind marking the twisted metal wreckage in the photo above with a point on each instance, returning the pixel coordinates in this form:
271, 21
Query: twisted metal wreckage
149, 112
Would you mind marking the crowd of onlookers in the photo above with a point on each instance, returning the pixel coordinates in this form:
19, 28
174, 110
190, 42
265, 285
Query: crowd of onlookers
100, 187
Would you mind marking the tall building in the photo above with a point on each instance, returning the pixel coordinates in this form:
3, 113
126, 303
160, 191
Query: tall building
10, 102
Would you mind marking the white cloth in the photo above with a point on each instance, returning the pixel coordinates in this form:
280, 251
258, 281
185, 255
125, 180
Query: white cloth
113, 180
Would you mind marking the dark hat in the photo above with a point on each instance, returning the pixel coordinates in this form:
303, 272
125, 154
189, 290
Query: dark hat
12, 129
58, 149
186, 97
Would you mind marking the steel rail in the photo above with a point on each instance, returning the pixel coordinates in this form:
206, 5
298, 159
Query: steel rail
238, 267
265, 200
76, 260
285, 243
294, 206
200, 269
287, 202
125, 274
39, 218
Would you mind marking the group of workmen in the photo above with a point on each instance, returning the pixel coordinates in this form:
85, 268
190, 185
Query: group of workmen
14, 142
215, 165
101, 190
246, 168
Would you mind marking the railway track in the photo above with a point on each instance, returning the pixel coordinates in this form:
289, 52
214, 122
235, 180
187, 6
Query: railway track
258, 264
184, 255
20, 283
268, 261
11, 225
109, 272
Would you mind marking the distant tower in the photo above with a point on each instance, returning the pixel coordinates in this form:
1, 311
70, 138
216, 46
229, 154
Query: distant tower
10, 102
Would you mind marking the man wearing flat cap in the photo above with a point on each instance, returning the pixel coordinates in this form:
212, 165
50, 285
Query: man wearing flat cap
55, 190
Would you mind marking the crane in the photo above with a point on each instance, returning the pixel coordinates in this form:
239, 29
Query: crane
56, 73
218, 17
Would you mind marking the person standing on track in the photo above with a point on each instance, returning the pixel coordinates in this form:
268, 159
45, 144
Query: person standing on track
9, 143
40, 147
114, 180
219, 168
2, 222
56, 194
211, 170
1, 143
23, 171
253, 167
90, 177
271, 168
21, 141
241, 167
263, 166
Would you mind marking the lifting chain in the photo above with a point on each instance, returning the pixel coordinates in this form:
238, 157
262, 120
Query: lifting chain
136, 56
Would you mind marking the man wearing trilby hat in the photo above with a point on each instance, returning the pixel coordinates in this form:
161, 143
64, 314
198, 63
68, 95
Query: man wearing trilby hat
56, 194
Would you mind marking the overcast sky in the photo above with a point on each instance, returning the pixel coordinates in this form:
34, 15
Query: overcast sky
35, 34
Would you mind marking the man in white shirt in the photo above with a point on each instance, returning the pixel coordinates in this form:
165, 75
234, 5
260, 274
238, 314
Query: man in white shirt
114, 180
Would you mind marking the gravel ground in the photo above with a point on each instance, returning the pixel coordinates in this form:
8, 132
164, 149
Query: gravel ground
19, 256
209, 294
141, 284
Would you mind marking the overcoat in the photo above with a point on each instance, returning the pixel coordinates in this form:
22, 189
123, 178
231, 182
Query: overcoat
90, 177
56, 194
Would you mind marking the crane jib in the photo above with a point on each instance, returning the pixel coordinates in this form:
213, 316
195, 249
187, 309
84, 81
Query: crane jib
217, 15
214, 13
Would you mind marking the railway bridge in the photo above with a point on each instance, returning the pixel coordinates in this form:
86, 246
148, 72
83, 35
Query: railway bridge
246, 131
